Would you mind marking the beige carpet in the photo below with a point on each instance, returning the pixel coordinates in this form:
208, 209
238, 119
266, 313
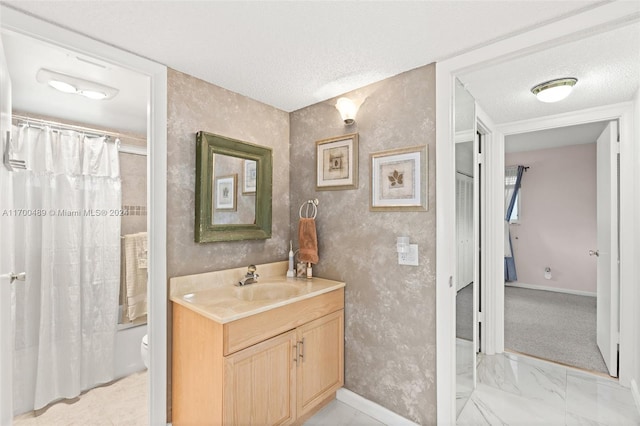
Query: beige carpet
555, 326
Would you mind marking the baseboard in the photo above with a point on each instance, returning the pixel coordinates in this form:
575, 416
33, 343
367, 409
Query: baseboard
636, 393
545, 288
372, 409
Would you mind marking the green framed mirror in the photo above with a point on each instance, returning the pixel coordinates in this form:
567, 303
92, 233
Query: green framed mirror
233, 189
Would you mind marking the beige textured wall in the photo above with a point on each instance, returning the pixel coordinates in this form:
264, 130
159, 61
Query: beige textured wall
133, 174
390, 309
195, 105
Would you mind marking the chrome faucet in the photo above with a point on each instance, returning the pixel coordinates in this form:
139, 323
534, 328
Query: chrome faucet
251, 277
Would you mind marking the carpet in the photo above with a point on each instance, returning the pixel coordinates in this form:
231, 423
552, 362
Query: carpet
464, 313
554, 326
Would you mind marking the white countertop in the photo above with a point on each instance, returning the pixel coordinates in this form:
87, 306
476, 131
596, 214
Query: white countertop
228, 303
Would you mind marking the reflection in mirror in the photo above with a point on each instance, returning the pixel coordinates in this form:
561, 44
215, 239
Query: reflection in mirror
233, 205
233, 189
464, 119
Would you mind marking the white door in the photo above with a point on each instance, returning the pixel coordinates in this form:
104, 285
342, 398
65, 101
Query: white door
6, 251
607, 251
464, 230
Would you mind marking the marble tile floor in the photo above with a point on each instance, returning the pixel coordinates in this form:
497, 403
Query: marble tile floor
519, 390
464, 373
337, 413
512, 390
124, 403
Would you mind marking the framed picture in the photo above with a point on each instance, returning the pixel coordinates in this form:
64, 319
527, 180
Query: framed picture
399, 179
337, 163
249, 180
224, 189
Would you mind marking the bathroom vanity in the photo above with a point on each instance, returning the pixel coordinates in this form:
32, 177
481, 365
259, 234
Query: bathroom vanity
270, 353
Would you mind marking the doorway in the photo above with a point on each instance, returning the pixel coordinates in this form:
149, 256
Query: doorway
535, 41
155, 127
551, 308
76, 321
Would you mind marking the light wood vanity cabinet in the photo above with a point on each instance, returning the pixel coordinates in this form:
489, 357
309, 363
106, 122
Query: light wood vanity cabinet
260, 383
273, 368
320, 360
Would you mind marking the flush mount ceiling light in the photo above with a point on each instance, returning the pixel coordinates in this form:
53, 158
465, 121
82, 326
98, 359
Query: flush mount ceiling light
554, 90
70, 84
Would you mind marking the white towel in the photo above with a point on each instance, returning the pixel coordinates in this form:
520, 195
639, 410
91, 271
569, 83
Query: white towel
134, 273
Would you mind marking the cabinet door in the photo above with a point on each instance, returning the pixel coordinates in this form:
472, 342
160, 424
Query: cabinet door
320, 360
260, 385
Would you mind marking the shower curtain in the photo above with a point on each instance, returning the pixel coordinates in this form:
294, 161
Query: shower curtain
68, 241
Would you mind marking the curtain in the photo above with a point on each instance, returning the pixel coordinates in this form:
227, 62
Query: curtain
513, 178
65, 313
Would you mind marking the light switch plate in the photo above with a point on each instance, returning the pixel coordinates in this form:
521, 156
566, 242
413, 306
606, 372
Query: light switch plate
410, 258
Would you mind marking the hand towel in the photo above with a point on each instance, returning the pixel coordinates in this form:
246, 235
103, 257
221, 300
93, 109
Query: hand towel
307, 240
135, 275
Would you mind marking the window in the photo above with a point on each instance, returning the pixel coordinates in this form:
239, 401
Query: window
510, 176
515, 213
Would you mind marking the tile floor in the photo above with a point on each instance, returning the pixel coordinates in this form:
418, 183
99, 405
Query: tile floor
337, 413
464, 373
519, 390
512, 390
124, 403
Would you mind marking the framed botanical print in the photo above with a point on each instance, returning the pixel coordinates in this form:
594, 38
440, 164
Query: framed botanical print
225, 192
399, 180
249, 177
337, 163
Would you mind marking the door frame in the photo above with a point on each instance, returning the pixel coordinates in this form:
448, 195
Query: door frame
18, 22
623, 113
485, 127
598, 18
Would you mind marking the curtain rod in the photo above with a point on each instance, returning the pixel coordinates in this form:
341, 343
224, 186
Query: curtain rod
97, 132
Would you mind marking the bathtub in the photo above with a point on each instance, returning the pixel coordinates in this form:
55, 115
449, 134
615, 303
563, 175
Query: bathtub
127, 361
127, 350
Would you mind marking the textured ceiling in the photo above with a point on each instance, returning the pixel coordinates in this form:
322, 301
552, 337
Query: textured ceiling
607, 66
293, 54
554, 138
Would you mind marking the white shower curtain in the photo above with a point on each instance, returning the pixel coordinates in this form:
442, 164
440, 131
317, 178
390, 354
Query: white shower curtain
68, 242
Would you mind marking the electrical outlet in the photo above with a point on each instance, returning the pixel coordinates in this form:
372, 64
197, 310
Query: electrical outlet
410, 258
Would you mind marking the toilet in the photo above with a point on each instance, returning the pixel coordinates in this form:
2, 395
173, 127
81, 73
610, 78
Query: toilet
144, 350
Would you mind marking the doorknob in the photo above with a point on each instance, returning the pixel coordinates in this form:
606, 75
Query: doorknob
594, 252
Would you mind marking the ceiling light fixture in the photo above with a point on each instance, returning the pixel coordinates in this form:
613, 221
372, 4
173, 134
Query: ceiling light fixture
347, 109
554, 90
79, 86
92, 94
62, 86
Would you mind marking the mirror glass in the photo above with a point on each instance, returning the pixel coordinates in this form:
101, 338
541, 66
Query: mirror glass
464, 118
233, 189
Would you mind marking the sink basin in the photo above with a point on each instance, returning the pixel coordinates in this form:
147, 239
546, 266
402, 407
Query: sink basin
267, 291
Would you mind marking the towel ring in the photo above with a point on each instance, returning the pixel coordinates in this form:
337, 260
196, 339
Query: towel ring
312, 209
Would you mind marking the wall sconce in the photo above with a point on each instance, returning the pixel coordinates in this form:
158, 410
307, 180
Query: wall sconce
347, 110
